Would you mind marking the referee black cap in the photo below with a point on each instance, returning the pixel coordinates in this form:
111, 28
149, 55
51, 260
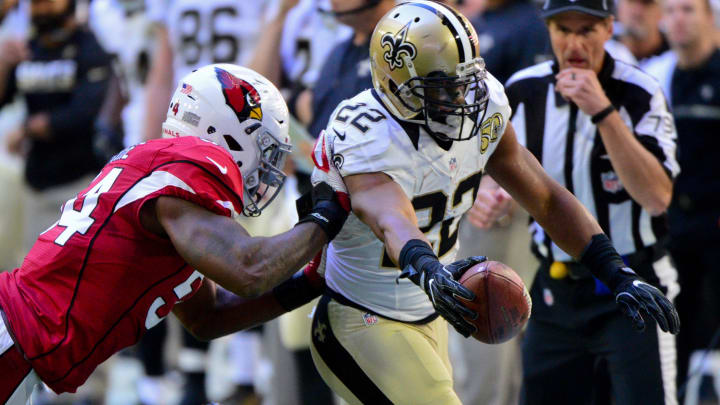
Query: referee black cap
597, 8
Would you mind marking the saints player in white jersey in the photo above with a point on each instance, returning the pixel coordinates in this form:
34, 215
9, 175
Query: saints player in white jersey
411, 151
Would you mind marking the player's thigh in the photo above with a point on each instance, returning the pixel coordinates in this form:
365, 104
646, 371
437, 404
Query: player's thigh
641, 365
380, 361
556, 367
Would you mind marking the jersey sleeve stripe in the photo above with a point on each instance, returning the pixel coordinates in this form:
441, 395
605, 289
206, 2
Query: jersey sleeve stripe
156, 181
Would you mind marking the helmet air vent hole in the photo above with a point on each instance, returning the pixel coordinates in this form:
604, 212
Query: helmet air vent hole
232, 143
392, 86
249, 130
211, 129
239, 163
396, 15
417, 19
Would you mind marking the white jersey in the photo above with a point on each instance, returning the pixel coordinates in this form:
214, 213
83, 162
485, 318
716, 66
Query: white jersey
307, 39
203, 32
442, 185
128, 36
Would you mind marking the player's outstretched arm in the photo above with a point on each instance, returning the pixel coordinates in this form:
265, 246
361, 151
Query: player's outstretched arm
221, 249
381, 204
572, 227
214, 311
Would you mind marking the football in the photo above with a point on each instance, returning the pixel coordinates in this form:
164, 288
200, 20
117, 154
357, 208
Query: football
501, 301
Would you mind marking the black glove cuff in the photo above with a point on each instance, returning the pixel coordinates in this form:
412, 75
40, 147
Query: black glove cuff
604, 261
329, 215
418, 254
295, 292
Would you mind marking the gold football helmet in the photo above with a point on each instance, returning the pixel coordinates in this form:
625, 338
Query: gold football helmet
426, 68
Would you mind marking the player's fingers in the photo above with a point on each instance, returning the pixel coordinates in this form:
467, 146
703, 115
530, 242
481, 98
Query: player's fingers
452, 287
630, 307
653, 309
461, 325
478, 219
671, 314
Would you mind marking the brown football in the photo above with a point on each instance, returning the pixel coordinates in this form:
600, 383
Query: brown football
501, 301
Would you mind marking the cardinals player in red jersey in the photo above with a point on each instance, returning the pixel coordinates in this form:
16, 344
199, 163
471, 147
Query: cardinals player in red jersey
155, 232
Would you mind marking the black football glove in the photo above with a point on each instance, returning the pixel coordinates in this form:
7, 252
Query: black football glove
324, 207
440, 284
632, 293
635, 296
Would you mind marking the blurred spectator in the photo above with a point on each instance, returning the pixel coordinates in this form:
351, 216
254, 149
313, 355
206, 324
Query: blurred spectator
638, 29
695, 210
511, 36
346, 71
189, 34
301, 37
62, 73
124, 30
505, 240
602, 129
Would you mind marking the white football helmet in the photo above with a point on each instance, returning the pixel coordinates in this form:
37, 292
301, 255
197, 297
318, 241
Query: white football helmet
242, 111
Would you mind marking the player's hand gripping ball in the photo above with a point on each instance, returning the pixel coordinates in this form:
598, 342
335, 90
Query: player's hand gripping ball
501, 301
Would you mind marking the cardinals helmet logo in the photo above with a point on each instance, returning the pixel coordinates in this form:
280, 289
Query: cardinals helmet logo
240, 95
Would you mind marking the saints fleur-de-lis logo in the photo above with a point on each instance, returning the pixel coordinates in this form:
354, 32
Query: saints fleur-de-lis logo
396, 46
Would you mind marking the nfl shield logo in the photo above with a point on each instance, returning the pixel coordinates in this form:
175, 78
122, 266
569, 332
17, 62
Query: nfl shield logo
453, 164
611, 182
369, 319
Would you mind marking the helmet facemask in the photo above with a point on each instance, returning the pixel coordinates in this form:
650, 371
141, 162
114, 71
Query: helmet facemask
265, 183
449, 106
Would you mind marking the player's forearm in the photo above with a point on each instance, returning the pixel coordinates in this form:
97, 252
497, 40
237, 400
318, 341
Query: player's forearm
233, 313
563, 217
395, 231
268, 261
638, 170
157, 98
159, 86
567, 221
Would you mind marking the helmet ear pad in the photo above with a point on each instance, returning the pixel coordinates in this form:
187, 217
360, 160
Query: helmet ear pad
241, 111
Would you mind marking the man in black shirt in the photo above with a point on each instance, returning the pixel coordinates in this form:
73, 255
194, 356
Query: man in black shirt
695, 209
346, 71
512, 36
62, 74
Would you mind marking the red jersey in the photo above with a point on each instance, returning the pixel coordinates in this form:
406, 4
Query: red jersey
96, 280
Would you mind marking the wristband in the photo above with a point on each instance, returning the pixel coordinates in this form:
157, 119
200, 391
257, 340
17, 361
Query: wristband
602, 114
604, 262
414, 257
296, 291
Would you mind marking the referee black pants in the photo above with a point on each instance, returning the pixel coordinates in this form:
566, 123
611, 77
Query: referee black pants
574, 330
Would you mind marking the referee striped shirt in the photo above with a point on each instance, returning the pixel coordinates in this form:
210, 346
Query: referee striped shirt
571, 150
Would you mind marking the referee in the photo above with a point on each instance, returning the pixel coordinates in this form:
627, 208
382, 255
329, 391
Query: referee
602, 129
